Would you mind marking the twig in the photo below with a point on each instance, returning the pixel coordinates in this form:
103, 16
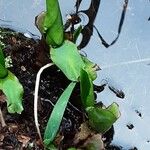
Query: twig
75, 107
36, 98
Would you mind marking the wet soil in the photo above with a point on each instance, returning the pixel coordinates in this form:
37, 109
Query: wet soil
20, 132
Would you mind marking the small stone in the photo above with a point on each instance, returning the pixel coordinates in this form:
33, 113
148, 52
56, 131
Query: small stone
1, 137
23, 68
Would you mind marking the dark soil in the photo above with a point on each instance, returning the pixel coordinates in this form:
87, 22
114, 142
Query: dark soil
20, 132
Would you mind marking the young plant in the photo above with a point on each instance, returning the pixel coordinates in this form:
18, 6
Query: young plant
65, 55
11, 87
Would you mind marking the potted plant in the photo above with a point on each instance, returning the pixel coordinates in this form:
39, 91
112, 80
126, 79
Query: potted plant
55, 58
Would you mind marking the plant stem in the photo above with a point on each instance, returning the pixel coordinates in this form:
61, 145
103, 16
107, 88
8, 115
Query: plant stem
36, 98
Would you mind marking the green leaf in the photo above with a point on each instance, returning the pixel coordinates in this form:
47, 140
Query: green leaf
52, 11
91, 68
101, 119
3, 72
114, 108
86, 88
53, 25
57, 114
13, 90
68, 59
54, 35
2, 58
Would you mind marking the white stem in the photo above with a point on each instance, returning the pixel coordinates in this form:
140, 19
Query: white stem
36, 97
126, 63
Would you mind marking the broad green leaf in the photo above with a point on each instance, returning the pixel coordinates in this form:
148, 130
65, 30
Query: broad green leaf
53, 25
86, 89
13, 90
57, 114
101, 119
68, 59
91, 68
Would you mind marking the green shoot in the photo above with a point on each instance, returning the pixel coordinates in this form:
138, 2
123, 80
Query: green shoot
76, 68
11, 87
57, 115
53, 25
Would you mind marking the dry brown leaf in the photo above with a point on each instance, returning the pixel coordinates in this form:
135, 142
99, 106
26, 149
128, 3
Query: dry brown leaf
83, 134
58, 139
24, 140
91, 139
95, 142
